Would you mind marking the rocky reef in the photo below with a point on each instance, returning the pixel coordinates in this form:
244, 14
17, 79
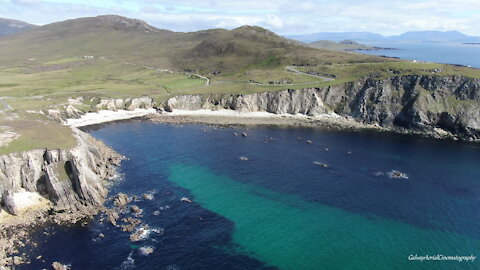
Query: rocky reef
72, 180
447, 106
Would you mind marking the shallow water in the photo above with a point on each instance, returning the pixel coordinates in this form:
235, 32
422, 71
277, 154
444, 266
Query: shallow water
279, 209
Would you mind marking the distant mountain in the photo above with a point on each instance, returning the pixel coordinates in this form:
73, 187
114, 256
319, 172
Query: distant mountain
345, 45
8, 26
338, 36
415, 36
434, 36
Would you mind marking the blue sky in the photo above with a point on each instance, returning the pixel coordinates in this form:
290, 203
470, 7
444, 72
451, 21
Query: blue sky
282, 16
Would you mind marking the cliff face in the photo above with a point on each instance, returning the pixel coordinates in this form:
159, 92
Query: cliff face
128, 104
71, 110
73, 180
416, 102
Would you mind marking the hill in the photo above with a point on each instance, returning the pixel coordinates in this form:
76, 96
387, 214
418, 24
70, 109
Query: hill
68, 68
125, 39
9, 27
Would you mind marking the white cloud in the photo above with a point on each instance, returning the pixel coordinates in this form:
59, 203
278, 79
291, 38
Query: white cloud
281, 16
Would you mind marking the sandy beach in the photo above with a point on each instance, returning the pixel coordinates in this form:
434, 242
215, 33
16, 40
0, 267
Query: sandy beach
220, 117
105, 116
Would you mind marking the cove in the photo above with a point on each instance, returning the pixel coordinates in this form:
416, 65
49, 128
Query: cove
279, 210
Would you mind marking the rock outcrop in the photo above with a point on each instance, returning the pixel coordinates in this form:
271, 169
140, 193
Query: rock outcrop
128, 104
419, 103
73, 180
71, 109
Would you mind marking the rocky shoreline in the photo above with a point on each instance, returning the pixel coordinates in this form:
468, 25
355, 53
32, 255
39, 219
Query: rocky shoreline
219, 118
66, 186
51, 186
326, 121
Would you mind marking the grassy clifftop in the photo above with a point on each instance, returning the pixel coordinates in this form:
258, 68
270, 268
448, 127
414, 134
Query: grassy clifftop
113, 56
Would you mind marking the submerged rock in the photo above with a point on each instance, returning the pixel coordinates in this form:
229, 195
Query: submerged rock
324, 165
394, 174
185, 199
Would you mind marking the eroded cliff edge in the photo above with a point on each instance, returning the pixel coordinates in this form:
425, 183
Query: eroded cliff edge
70, 181
417, 103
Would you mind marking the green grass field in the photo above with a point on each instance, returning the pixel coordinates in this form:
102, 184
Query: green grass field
32, 87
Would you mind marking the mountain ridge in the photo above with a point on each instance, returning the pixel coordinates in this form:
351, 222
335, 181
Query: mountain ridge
131, 40
10, 26
410, 36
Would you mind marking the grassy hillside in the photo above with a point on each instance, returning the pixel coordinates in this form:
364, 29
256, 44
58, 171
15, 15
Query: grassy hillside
112, 56
123, 39
10, 27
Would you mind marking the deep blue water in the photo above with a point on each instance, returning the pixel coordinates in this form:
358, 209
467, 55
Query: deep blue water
446, 53
360, 214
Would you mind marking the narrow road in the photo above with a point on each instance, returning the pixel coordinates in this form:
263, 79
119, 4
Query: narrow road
294, 70
206, 79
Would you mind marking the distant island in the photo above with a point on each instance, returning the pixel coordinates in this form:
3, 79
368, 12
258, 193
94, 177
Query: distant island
472, 43
345, 45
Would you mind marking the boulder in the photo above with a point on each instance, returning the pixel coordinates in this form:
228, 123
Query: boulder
145, 251
135, 209
59, 266
121, 199
9, 202
147, 197
112, 217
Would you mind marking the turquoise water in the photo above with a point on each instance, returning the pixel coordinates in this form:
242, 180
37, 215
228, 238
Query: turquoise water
291, 233
279, 210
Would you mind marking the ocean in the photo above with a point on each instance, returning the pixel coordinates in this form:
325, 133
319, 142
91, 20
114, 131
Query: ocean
446, 53
278, 208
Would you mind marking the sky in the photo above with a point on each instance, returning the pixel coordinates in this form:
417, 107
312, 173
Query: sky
386, 17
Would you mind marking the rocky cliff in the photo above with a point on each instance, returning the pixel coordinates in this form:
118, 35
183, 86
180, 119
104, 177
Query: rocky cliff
71, 109
419, 103
73, 180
